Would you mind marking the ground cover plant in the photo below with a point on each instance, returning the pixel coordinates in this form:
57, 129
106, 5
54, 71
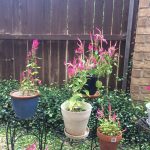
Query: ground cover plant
53, 96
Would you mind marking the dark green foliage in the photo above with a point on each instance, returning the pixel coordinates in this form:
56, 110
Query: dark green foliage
52, 97
51, 100
6, 86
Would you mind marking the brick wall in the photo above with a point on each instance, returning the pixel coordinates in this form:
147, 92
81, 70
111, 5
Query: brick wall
141, 57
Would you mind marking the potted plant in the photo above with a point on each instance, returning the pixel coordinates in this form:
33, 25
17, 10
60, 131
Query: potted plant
76, 114
109, 131
148, 111
91, 64
25, 100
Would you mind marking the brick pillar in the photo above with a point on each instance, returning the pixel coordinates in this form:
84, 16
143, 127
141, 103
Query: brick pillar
141, 56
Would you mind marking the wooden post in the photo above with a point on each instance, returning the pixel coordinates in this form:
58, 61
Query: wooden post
128, 43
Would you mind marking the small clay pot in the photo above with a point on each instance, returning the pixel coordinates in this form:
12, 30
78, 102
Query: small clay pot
108, 142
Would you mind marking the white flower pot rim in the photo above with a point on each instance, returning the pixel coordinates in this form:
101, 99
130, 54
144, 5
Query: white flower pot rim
87, 110
148, 105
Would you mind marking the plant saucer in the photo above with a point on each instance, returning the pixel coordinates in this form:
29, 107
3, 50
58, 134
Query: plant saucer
80, 137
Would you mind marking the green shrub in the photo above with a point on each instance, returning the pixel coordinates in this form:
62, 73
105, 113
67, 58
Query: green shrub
6, 86
52, 97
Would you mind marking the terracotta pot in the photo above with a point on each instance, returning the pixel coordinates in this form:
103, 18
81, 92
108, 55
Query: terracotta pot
76, 122
24, 106
108, 142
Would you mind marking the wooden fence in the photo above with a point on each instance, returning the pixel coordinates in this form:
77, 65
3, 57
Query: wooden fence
57, 24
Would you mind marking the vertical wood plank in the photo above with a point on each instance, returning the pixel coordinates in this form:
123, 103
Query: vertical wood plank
6, 16
62, 50
108, 11
76, 16
59, 17
117, 16
35, 16
45, 51
54, 62
16, 11
125, 15
128, 42
89, 14
99, 8
20, 52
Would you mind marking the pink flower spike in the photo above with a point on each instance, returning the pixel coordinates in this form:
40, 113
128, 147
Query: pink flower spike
90, 47
80, 49
39, 82
32, 147
35, 44
114, 117
109, 110
100, 113
147, 88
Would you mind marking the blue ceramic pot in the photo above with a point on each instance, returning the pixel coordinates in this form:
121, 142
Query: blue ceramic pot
90, 85
24, 106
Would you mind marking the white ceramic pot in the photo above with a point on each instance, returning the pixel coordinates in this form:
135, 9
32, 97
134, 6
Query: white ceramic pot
76, 122
148, 110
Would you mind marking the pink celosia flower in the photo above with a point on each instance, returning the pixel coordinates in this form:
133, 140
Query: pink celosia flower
111, 50
114, 117
35, 44
109, 110
31, 147
80, 49
90, 47
71, 71
100, 113
39, 82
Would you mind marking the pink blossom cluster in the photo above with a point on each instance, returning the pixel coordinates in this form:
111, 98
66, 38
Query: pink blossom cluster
33, 147
96, 54
101, 115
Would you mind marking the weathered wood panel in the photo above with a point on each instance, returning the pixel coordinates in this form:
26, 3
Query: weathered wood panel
58, 24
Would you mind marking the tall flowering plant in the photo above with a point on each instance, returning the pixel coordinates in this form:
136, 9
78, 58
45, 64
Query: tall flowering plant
28, 78
95, 61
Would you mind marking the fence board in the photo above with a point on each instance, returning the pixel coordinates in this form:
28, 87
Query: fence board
59, 17
57, 24
117, 17
76, 16
99, 10
5, 16
20, 51
88, 17
108, 5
